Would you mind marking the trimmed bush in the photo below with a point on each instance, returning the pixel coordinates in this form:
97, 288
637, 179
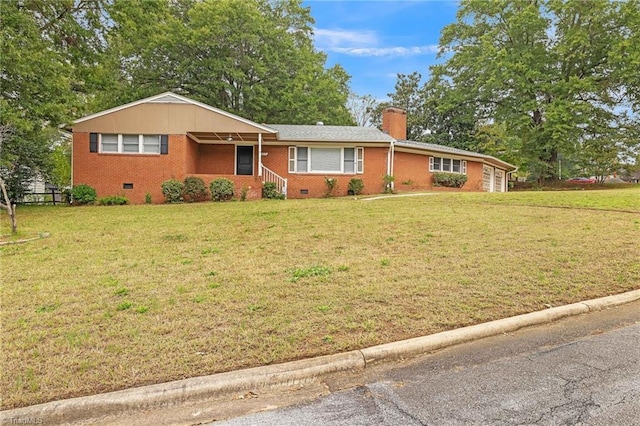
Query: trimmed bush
83, 194
113, 200
194, 189
172, 191
270, 191
356, 185
221, 189
451, 180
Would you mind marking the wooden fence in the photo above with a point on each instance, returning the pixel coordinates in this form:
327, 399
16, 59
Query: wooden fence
51, 196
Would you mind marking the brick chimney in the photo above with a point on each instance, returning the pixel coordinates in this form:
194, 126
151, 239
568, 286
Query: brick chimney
394, 122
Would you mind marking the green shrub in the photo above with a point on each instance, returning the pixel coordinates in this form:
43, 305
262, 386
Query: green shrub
387, 181
147, 198
113, 200
356, 185
194, 189
243, 193
332, 184
83, 194
270, 191
221, 189
451, 180
172, 191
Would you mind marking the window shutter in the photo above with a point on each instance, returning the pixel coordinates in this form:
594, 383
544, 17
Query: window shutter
360, 159
292, 159
464, 167
93, 142
164, 144
430, 164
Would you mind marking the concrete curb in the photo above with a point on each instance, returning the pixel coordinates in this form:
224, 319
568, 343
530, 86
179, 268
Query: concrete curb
93, 409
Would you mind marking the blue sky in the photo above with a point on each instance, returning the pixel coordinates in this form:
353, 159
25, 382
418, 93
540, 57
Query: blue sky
376, 40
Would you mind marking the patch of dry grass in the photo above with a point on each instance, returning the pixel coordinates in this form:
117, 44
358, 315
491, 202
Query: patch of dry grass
132, 295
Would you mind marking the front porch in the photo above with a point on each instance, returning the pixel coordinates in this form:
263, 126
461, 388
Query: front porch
234, 156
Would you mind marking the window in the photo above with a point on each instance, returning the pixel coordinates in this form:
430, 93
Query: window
134, 144
109, 143
325, 160
349, 160
304, 159
440, 164
151, 144
130, 143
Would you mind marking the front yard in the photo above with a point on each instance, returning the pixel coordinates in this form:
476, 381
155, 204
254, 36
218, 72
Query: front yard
124, 296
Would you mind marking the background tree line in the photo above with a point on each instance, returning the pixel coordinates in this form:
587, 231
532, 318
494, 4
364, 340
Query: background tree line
544, 84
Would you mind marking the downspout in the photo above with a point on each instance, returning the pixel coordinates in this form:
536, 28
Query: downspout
507, 182
259, 154
390, 160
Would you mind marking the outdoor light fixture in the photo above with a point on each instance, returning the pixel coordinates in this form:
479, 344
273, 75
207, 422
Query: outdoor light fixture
229, 138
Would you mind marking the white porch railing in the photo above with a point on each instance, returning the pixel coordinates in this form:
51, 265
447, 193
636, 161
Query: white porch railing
270, 176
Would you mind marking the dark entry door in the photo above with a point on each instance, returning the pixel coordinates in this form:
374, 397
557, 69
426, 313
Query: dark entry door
244, 160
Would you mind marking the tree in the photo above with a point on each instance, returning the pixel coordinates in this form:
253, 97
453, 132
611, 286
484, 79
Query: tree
547, 70
362, 108
6, 202
407, 96
61, 162
46, 52
254, 58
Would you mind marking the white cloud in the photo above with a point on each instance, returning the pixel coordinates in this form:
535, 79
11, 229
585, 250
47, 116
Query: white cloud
333, 38
364, 43
386, 51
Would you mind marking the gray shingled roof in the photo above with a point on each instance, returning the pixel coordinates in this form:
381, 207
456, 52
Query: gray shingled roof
293, 132
451, 150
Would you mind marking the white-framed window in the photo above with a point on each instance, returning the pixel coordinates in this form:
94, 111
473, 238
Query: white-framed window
442, 164
108, 143
304, 159
151, 144
130, 144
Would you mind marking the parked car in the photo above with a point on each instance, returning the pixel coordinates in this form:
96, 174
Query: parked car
581, 180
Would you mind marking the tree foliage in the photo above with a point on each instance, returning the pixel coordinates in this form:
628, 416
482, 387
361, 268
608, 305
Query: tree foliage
254, 58
46, 55
547, 78
362, 108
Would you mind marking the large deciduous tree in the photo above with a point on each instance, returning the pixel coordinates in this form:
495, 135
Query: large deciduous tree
254, 58
561, 76
47, 51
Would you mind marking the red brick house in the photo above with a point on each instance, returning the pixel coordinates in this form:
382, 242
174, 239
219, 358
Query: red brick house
131, 149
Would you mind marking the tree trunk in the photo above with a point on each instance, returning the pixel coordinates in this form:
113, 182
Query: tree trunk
11, 208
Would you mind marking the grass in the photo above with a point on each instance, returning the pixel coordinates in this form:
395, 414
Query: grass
134, 295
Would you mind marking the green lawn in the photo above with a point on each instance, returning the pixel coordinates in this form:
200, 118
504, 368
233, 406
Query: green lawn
125, 296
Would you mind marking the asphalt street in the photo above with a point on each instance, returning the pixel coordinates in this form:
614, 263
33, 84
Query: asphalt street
581, 370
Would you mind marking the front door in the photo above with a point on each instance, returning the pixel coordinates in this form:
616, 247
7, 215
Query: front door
244, 160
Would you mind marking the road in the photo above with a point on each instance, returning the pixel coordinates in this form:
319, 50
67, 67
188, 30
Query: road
580, 370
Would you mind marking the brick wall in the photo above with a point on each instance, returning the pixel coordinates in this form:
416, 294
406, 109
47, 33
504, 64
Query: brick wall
108, 172
411, 172
375, 166
216, 159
